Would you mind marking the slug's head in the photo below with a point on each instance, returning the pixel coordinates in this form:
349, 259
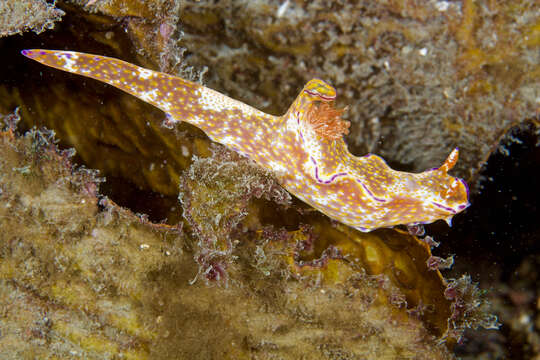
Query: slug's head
445, 196
314, 106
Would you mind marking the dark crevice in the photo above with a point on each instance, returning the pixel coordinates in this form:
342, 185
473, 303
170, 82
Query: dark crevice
497, 241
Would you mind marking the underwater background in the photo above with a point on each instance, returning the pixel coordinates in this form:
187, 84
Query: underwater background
122, 237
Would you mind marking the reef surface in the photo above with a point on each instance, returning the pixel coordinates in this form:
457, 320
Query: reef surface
81, 277
204, 238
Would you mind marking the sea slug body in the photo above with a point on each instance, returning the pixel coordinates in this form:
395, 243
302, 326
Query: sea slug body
304, 148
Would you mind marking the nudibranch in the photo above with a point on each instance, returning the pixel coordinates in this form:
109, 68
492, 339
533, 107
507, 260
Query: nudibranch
304, 148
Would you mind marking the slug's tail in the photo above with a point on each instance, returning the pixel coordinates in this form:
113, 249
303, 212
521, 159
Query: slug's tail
156, 88
223, 119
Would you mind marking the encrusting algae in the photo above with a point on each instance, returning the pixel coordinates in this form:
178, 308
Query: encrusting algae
81, 277
24, 15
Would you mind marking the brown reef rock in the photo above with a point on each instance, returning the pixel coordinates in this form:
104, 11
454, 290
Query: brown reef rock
81, 277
